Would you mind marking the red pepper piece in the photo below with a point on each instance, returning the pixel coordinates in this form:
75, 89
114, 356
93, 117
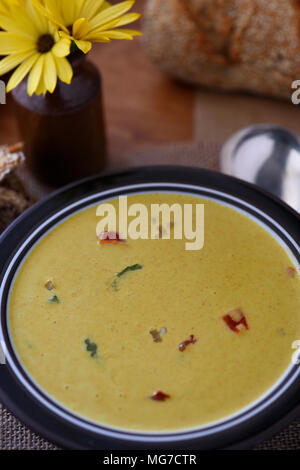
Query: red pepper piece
232, 323
112, 238
160, 396
185, 343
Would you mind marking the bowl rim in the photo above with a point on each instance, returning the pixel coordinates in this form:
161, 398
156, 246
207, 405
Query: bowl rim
63, 202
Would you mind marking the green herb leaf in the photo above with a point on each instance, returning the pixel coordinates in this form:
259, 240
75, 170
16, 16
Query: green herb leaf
92, 348
134, 267
54, 299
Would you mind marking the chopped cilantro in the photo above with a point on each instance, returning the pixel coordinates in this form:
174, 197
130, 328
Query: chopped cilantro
92, 348
134, 267
54, 299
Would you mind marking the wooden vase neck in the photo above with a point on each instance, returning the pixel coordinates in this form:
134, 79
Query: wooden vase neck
85, 85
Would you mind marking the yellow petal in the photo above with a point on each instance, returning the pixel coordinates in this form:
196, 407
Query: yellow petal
81, 28
106, 5
41, 89
62, 34
20, 25
11, 43
111, 13
51, 11
62, 48
131, 32
98, 37
129, 18
35, 75
21, 71
79, 4
109, 25
64, 70
126, 19
68, 8
114, 34
91, 8
11, 61
38, 20
84, 46
50, 73
53, 7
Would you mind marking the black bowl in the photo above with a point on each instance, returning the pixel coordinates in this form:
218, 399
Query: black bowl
44, 415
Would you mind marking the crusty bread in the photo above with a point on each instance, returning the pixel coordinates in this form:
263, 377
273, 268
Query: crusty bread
12, 204
13, 196
241, 45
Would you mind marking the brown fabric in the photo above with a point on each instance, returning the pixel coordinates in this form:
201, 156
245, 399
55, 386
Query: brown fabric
13, 435
288, 439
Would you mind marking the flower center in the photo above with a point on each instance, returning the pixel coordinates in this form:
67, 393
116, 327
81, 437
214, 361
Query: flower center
45, 43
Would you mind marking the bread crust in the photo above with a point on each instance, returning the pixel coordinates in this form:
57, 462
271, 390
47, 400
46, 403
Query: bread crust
233, 45
13, 196
12, 204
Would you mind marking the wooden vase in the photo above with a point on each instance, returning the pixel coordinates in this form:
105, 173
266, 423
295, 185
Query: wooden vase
64, 132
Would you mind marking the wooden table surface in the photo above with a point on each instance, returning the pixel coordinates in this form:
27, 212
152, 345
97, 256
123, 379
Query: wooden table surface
144, 108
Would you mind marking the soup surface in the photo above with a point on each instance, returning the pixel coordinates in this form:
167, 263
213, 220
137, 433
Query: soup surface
178, 339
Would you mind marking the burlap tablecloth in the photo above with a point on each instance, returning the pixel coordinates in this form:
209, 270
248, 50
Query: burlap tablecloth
13, 434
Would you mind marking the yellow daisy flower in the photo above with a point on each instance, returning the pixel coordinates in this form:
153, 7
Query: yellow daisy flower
31, 43
88, 21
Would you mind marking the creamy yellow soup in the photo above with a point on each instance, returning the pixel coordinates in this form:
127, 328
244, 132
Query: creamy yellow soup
104, 352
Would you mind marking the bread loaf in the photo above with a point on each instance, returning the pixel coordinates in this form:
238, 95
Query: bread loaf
12, 204
13, 197
236, 45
